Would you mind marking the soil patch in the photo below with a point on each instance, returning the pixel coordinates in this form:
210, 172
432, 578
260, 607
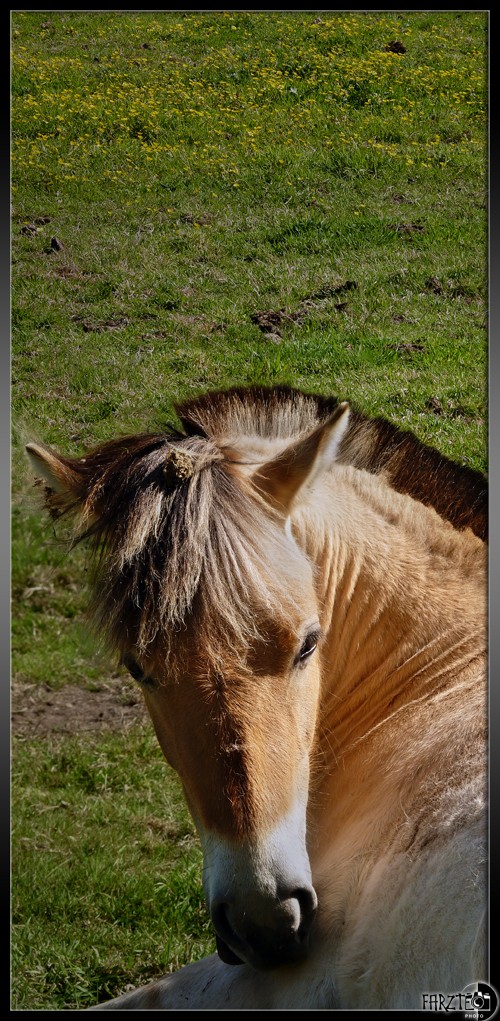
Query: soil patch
38, 711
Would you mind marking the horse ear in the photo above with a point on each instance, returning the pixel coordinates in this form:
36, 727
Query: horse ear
59, 477
282, 479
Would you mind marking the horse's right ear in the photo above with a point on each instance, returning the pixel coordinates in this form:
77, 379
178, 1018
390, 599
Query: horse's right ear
55, 471
283, 478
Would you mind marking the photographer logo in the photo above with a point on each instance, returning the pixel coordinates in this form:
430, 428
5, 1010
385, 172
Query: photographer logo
477, 1002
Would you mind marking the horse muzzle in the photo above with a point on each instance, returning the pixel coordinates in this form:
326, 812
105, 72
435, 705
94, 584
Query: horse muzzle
276, 935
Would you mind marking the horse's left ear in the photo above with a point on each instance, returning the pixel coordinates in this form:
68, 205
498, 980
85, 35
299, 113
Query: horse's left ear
282, 479
64, 486
53, 469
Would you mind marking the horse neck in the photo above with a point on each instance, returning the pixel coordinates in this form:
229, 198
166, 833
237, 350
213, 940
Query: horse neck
403, 598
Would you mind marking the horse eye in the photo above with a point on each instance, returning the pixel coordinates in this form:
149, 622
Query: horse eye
308, 646
135, 671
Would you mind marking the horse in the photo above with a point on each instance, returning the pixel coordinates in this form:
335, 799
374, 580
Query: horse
300, 592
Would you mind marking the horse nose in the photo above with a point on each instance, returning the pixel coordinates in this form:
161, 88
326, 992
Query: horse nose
275, 934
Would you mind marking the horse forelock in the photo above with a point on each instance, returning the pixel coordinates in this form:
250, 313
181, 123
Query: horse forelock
170, 553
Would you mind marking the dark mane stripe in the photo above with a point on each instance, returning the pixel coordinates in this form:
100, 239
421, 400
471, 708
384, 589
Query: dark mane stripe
459, 494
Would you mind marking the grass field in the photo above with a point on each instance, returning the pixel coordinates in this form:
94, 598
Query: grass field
202, 200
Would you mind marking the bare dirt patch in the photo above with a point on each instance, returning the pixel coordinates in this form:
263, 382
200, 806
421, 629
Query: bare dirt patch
38, 711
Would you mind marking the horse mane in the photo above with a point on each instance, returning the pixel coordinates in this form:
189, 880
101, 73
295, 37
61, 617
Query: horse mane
205, 544
458, 493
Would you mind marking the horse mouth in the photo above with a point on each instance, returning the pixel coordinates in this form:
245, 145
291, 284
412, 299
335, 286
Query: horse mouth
267, 958
225, 953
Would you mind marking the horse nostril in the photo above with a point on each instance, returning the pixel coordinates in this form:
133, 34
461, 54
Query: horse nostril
298, 909
308, 903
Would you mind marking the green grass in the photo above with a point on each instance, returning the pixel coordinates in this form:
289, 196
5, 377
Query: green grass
113, 843
197, 168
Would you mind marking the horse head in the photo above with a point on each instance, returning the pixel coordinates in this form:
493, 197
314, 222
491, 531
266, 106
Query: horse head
201, 587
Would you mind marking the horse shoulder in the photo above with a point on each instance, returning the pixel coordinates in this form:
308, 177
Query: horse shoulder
402, 880
405, 938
